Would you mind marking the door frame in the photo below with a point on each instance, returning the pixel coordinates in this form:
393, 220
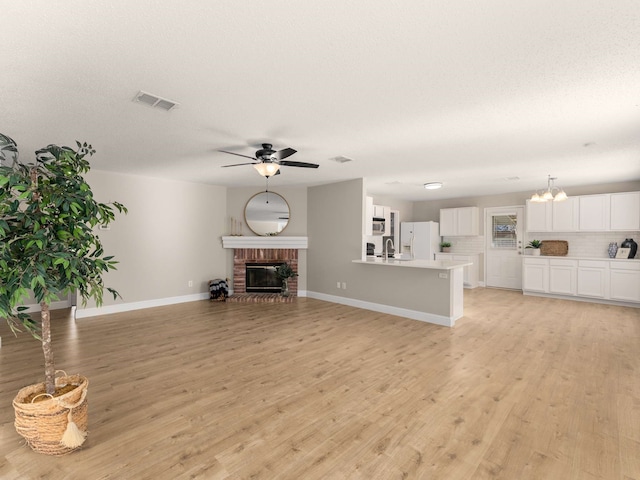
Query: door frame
488, 212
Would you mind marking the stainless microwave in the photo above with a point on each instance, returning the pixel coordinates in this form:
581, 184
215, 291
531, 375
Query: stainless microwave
378, 226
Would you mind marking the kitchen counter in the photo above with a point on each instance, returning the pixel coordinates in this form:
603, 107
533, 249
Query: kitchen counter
576, 257
426, 290
429, 264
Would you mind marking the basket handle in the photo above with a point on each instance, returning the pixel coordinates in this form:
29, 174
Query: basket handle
41, 395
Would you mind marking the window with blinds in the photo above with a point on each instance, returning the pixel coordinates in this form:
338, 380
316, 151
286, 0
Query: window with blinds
503, 231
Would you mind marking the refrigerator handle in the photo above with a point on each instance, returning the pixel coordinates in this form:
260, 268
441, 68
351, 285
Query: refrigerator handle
411, 246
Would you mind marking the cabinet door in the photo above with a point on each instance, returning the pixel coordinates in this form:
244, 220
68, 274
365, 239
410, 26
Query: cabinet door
625, 285
594, 213
592, 282
562, 279
368, 216
448, 222
535, 277
467, 221
538, 216
564, 217
625, 211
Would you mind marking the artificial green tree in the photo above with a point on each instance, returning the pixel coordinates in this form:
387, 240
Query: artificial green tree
48, 243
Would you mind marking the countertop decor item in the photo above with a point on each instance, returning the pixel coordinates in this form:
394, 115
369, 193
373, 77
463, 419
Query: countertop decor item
534, 247
445, 247
555, 248
613, 249
631, 245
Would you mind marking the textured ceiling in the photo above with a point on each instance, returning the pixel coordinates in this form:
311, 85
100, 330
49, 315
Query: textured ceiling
467, 93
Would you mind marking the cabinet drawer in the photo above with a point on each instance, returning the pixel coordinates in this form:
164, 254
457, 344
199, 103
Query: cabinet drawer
633, 265
536, 261
563, 263
594, 263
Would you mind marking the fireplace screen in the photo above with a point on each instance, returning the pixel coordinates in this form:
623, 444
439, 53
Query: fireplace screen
262, 278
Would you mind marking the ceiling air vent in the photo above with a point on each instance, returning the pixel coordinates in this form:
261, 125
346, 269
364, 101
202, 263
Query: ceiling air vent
342, 159
154, 101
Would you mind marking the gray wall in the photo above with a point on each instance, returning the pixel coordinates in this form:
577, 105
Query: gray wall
171, 235
336, 227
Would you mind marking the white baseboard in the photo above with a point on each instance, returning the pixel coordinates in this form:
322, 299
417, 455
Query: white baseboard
35, 307
127, 307
377, 307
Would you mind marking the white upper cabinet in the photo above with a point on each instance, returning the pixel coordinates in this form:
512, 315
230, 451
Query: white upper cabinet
538, 216
586, 213
594, 213
625, 211
564, 217
459, 222
368, 216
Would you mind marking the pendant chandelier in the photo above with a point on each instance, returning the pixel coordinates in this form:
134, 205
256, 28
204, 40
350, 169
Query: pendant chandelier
551, 193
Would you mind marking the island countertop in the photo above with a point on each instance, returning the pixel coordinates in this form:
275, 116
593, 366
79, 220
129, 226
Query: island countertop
428, 264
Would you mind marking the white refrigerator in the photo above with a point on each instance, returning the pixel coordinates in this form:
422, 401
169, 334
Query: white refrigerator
419, 240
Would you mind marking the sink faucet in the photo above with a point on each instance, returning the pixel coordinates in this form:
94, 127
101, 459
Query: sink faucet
386, 248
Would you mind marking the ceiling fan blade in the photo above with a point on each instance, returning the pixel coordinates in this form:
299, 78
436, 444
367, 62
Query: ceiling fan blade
238, 154
287, 163
284, 153
238, 164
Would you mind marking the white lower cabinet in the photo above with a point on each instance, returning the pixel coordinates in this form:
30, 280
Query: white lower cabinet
563, 276
593, 278
470, 272
616, 280
625, 281
535, 275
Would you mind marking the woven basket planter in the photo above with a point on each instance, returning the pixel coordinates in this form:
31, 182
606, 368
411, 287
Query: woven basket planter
43, 424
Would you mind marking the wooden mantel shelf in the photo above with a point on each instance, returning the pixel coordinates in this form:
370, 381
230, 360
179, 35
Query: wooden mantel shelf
264, 242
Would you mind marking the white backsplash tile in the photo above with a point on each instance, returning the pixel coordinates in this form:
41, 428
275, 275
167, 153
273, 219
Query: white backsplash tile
581, 244
466, 245
586, 244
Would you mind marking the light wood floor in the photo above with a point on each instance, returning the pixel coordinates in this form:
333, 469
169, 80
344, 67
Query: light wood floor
521, 388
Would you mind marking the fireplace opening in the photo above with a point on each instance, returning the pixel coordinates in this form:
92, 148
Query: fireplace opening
262, 278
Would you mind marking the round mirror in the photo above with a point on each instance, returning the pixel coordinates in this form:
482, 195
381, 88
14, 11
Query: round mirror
266, 214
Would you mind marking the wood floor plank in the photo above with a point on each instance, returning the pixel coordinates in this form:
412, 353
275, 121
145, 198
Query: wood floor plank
522, 387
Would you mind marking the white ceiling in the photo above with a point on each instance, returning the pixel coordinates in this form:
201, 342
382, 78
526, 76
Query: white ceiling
463, 92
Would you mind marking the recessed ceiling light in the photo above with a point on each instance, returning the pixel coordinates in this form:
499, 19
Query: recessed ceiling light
433, 185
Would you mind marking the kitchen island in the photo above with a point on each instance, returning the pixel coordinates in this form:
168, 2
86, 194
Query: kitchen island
430, 291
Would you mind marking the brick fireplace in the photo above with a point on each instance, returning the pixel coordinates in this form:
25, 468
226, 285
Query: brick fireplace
254, 249
242, 256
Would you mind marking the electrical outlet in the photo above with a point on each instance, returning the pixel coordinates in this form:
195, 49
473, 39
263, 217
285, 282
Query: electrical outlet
190, 283
344, 285
443, 275
338, 285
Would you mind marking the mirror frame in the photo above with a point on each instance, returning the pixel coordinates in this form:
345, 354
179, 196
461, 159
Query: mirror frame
266, 234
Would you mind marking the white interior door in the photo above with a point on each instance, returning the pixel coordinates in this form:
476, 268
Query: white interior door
504, 228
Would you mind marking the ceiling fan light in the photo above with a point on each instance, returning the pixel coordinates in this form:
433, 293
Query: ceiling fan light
536, 198
267, 169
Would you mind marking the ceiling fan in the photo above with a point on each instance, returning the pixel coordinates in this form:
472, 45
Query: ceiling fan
268, 161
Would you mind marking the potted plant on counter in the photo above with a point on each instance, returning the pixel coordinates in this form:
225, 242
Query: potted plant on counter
534, 245
48, 247
285, 272
445, 247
